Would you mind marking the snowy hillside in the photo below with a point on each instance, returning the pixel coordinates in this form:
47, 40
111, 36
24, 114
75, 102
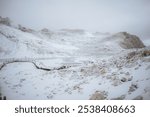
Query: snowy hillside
72, 64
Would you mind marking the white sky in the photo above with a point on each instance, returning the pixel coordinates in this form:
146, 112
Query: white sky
95, 15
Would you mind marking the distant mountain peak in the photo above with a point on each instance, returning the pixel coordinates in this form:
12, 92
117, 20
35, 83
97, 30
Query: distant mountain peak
5, 21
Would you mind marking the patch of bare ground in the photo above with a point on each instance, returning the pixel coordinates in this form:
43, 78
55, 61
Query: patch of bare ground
122, 97
98, 95
132, 88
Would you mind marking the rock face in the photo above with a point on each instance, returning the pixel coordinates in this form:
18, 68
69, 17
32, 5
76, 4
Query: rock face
24, 29
128, 41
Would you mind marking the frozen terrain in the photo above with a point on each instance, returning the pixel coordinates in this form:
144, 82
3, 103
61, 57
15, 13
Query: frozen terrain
72, 64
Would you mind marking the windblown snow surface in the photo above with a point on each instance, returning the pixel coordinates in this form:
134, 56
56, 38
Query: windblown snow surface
72, 64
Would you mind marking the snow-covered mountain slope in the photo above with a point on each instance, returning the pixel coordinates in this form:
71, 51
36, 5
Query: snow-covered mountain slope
72, 64
15, 43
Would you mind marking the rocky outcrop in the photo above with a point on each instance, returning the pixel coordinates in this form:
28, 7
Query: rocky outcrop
24, 29
128, 41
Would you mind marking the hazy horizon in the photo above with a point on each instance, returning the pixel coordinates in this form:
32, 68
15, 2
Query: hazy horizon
93, 15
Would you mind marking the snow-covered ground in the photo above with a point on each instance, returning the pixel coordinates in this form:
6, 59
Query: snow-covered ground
71, 64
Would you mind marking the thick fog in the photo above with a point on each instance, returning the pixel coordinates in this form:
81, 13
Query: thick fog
94, 15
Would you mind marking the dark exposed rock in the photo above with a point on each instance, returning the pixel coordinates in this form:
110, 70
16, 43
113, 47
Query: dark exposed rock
138, 98
24, 29
133, 87
122, 97
124, 80
1, 96
146, 53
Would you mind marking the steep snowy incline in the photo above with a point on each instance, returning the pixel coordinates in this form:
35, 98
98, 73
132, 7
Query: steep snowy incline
15, 43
